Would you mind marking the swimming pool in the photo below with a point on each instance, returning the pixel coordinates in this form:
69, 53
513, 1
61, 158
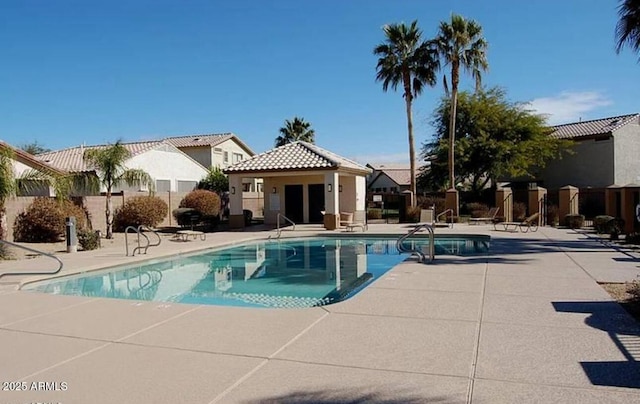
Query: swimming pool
291, 273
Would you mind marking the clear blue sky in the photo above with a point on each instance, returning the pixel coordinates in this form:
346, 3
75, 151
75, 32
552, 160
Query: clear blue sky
92, 72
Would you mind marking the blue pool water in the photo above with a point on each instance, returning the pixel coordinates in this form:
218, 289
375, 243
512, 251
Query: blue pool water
289, 273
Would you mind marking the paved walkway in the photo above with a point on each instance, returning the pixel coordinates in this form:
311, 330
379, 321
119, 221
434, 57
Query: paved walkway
527, 324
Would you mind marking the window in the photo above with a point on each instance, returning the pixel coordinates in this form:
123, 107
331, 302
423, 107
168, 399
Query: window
237, 157
226, 157
259, 186
186, 186
217, 150
163, 185
246, 187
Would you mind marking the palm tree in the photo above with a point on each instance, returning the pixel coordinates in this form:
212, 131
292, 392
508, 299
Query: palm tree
405, 59
108, 162
628, 27
7, 186
295, 130
461, 45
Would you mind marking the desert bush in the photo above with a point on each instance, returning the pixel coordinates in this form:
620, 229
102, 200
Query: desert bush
427, 202
140, 210
634, 290
553, 218
207, 203
413, 214
574, 221
88, 239
519, 211
44, 220
476, 209
374, 213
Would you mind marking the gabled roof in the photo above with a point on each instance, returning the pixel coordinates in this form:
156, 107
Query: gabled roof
72, 159
400, 177
30, 160
210, 140
295, 156
593, 127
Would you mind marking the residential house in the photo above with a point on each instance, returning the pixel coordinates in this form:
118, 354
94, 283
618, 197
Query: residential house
605, 152
390, 178
171, 169
217, 150
24, 164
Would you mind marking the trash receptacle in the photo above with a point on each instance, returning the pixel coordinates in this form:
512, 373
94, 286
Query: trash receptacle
71, 234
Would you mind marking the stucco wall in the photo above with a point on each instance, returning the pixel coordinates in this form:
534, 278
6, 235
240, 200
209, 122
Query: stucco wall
627, 154
383, 181
591, 165
168, 164
200, 154
231, 147
279, 183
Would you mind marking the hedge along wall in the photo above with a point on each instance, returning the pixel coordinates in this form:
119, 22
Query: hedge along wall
95, 205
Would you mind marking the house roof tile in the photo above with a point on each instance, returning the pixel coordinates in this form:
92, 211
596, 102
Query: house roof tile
295, 156
72, 160
213, 139
31, 160
591, 128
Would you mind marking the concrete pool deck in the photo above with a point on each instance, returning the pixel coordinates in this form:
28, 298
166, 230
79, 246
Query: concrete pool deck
527, 323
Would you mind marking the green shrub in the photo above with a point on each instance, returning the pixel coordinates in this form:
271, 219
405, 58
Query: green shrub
519, 211
574, 221
205, 202
140, 210
605, 224
88, 239
633, 238
427, 202
44, 220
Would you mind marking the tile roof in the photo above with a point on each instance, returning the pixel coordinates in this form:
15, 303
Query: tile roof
593, 127
72, 160
199, 140
400, 177
295, 156
30, 160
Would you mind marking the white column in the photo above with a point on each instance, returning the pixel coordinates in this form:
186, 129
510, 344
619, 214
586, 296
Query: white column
331, 194
235, 194
361, 193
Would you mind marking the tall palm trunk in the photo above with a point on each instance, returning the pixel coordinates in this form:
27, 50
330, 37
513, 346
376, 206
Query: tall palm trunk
408, 99
108, 215
455, 78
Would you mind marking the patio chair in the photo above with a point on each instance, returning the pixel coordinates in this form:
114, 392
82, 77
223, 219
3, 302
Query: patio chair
346, 218
490, 218
528, 224
359, 219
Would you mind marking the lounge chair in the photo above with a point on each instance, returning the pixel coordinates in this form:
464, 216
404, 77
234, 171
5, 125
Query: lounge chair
358, 219
490, 218
528, 224
346, 218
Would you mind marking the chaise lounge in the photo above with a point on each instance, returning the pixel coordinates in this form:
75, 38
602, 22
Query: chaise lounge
490, 218
528, 224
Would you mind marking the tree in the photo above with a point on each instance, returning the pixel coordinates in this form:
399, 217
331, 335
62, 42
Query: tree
494, 138
109, 165
215, 181
460, 44
295, 130
404, 59
7, 186
628, 27
34, 148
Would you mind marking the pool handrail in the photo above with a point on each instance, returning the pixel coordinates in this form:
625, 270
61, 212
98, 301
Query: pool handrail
140, 247
143, 227
421, 256
60, 264
278, 216
450, 224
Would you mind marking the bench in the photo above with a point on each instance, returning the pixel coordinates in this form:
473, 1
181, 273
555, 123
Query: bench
185, 234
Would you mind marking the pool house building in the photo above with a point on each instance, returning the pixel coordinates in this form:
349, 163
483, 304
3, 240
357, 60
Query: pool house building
303, 182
